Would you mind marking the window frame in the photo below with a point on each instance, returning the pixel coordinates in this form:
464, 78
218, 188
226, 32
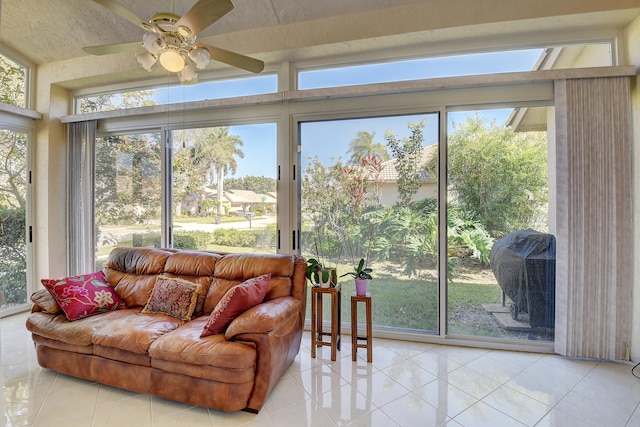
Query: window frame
289, 107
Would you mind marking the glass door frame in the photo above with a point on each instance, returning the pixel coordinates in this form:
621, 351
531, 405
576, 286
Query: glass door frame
441, 102
24, 124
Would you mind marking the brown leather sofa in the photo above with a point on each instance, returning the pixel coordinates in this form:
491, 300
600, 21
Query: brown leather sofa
165, 356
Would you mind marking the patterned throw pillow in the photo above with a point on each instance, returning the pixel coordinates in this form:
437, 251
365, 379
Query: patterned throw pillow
173, 296
84, 295
237, 300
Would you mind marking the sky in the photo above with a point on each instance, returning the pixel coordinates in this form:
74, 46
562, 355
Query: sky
329, 140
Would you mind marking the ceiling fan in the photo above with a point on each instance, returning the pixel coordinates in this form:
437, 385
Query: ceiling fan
171, 39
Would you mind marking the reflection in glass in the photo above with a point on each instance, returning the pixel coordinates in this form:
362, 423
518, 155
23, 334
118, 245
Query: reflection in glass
127, 192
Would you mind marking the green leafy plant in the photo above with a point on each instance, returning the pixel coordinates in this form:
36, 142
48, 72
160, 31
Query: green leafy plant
315, 269
360, 271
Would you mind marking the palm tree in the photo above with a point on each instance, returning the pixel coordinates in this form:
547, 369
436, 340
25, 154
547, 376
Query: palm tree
363, 146
215, 150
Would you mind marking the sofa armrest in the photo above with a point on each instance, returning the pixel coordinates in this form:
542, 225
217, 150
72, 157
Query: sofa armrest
276, 316
43, 301
275, 329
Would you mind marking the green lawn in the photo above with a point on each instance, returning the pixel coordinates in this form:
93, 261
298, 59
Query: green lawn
413, 304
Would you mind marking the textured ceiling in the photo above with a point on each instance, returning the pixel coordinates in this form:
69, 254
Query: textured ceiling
46, 31
52, 30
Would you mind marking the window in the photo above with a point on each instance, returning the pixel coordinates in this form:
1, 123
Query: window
128, 196
13, 206
372, 185
595, 54
161, 95
13, 83
224, 188
370, 190
458, 65
500, 255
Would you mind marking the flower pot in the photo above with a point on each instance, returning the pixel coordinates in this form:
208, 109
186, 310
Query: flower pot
327, 277
361, 287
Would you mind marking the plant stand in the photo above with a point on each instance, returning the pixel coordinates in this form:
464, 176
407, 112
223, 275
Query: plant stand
366, 299
317, 332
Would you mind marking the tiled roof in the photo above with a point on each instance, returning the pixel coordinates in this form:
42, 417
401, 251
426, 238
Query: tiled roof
241, 196
388, 170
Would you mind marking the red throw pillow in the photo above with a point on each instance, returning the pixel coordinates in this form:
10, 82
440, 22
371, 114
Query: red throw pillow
237, 300
173, 296
84, 295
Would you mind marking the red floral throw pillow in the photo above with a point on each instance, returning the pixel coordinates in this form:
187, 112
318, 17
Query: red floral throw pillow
237, 300
173, 296
83, 296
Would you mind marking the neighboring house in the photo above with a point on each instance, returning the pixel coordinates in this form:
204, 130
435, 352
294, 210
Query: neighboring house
250, 200
236, 200
388, 177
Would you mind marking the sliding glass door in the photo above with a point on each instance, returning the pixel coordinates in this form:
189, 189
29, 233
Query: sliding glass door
224, 188
128, 194
13, 236
369, 191
501, 255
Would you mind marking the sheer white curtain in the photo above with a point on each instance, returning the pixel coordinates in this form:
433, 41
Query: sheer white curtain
594, 215
81, 166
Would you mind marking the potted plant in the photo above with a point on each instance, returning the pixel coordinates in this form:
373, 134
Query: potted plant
319, 275
361, 274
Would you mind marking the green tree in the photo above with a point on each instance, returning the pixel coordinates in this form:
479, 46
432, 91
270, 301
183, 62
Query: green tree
13, 168
187, 177
127, 179
407, 153
13, 255
215, 151
363, 146
257, 184
12, 83
499, 175
113, 101
13, 190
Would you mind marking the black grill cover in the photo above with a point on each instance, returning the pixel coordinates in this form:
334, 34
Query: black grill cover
524, 264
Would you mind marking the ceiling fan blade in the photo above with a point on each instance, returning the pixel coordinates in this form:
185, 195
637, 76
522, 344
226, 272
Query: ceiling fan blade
234, 59
107, 49
123, 12
203, 14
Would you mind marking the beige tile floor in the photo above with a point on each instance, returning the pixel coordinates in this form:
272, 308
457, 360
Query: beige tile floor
408, 384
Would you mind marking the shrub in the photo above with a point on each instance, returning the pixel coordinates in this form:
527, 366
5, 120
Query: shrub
197, 240
233, 237
13, 261
266, 237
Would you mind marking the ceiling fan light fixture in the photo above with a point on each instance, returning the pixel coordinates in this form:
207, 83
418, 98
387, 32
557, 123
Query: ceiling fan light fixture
184, 31
187, 74
146, 60
200, 56
153, 43
172, 60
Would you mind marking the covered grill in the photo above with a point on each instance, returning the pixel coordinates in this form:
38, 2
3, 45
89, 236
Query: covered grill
524, 264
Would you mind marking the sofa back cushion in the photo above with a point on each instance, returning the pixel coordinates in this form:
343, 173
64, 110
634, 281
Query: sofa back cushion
196, 267
233, 269
133, 271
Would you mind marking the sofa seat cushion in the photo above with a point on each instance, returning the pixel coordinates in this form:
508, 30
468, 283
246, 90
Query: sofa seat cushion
227, 361
78, 333
135, 332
